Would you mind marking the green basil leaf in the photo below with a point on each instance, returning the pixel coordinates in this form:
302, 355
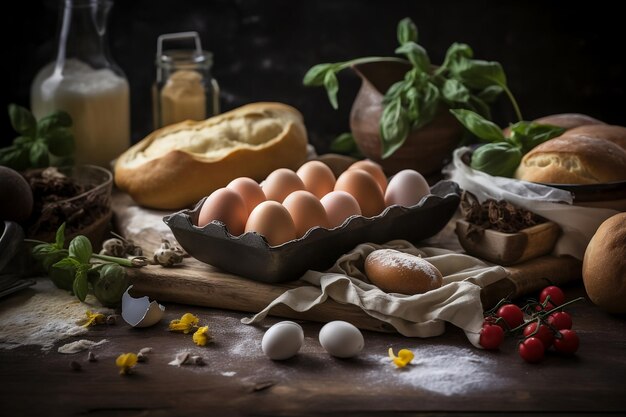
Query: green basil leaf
395, 91
58, 119
59, 240
22, 120
482, 128
14, 157
530, 134
394, 127
110, 285
81, 285
479, 74
413, 106
80, 248
490, 94
316, 74
429, 104
416, 54
344, 144
498, 159
332, 87
60, 141
407, 31
67, 262
38, 154
63, 278
22, 141
454, 91
455, 52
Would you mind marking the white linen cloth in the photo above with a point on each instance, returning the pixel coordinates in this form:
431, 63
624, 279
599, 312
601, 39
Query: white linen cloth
422, 315
578, 224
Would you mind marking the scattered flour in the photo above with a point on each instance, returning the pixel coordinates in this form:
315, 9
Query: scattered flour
42, 315
445, 370
229, 373
79, 346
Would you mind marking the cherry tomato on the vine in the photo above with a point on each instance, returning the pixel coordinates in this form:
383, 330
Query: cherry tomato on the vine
491, 336
511, 314
568, 341
560, 320
531, 350
556, 295
544, 334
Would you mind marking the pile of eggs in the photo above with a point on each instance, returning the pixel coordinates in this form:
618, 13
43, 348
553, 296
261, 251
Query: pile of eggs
288, 204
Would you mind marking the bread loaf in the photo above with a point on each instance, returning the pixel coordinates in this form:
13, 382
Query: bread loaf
177, 165
399, 272
574, 160
564, 120
615, 134
604, 265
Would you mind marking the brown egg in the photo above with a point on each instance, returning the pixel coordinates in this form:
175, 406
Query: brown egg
374, 169
317, 178
364, 189
406, 188
226, 206
280, 183
249, 190
306, 211
273, 221
339, 205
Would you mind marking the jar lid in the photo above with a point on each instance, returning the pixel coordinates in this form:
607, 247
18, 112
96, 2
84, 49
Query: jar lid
182, 57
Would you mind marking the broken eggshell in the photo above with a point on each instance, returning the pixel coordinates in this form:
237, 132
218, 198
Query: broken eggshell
140, 312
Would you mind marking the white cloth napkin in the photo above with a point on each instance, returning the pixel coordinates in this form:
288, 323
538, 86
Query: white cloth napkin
423, 315
578, 224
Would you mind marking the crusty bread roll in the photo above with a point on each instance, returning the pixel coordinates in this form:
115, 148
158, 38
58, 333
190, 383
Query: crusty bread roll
177, 165
399, 272
564, 120
574, 160
604, 265
616, 134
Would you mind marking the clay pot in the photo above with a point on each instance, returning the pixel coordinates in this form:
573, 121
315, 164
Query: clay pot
425, 150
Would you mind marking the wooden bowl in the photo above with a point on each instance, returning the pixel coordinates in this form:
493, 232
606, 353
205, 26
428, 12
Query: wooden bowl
426, 150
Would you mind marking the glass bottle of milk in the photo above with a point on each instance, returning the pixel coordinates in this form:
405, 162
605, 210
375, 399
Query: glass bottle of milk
85, 82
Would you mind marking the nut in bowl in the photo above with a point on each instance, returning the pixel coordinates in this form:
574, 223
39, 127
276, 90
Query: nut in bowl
79, 196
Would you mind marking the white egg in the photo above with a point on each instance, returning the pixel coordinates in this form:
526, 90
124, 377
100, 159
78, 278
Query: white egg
283, 340
341, 339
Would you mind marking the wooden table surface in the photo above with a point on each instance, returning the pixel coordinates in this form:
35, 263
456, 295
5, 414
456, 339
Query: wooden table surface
448, 376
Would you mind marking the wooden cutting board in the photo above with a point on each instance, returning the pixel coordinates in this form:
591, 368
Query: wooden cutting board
196, 283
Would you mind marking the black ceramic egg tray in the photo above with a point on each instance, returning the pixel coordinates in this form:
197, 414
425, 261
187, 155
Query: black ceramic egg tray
249, 255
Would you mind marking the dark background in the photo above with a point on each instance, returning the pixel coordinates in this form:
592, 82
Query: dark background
558, 56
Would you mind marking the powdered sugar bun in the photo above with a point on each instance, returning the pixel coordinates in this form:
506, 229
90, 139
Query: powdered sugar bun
399, 272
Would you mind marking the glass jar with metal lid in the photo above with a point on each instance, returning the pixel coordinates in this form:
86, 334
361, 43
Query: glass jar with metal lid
184, 88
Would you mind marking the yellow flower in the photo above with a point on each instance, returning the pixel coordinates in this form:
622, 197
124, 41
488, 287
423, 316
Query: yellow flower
126, 361
202, 336
94, 318
404, 357
185, 324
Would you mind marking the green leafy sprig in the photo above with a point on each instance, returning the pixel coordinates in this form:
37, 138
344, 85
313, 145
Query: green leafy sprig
502, 155
461, 82
51, 135
72, 269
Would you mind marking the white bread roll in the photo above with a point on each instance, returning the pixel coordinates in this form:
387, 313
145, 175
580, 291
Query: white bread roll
177, 165
403, 273
604, 265
574, 160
